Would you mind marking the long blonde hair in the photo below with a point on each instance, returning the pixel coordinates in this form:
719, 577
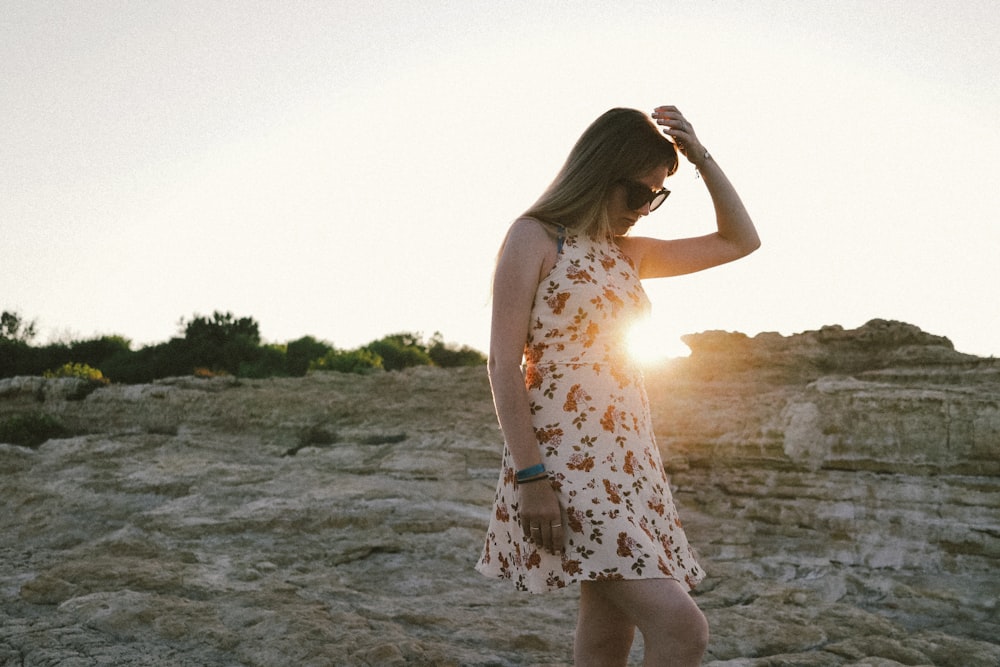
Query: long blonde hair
620, 144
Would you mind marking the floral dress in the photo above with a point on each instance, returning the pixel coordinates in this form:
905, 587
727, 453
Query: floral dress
591, 417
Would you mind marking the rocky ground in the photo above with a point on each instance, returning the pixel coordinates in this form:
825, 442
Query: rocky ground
842, 487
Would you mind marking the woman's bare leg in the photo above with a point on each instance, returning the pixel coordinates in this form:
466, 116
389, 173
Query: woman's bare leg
603, 633
674, 631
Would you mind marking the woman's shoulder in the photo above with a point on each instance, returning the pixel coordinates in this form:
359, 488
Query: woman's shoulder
531, 235
532, 228
531, 243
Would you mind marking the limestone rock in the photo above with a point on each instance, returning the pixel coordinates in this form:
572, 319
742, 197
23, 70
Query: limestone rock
842, 487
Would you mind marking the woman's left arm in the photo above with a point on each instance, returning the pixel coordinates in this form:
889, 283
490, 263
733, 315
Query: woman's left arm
735, 234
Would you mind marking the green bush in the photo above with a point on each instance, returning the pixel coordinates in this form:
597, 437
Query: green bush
96, 351
268, 361
148, 364
299, 354
348, 361
218, 345
17, 358
399, 351
31, 429
449, 356
221, 343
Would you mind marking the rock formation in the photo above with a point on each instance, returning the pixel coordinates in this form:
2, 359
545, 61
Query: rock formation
842, 487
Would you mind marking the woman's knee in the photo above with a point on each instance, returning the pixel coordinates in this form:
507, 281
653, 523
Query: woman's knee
664, 607
686, 620
698, 630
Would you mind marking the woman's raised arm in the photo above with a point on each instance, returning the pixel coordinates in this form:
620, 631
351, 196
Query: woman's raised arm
735, 234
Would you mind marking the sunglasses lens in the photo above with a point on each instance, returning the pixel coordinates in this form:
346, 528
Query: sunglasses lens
638, 195
658, 199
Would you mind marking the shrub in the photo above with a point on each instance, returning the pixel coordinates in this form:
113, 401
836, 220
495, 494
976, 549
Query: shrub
220, 343
73, 370
348, 361
149, 363
449, 356
31, 429
399, 351
96, 351
222, 328
16, 358
299, 354
268, 361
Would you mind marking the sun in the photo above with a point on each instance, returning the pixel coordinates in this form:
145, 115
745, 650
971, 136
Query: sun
649, 343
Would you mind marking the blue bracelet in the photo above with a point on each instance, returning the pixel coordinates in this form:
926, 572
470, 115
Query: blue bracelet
533, 471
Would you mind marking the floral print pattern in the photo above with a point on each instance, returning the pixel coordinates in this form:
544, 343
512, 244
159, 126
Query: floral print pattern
591, 418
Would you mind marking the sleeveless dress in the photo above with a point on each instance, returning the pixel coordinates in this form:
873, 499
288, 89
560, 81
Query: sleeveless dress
591, 417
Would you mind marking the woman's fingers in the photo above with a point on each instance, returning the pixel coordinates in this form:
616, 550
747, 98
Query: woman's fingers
668, 115
548, 535
677, 127
541, 515
558, 538
671, 117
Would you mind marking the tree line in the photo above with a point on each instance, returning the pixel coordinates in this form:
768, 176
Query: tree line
215, 345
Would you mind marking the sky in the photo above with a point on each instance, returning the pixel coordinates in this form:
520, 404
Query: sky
347, 170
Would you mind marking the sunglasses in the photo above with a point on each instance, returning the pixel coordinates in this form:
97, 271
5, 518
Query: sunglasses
638, 195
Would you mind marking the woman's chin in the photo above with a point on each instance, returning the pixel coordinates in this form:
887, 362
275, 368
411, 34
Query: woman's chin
623, 228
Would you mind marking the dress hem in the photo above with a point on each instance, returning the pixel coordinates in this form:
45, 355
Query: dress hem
575, 581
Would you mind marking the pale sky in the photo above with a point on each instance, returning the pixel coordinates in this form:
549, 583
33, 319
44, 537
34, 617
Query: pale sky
347, 170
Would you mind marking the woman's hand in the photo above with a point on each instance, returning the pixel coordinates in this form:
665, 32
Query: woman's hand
541, 516
735, 234
677, 127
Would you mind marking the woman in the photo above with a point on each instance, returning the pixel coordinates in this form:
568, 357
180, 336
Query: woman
582, 495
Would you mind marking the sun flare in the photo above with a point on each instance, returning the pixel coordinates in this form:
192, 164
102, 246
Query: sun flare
649, 343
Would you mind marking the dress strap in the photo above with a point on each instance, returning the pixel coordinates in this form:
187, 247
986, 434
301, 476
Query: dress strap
560, 239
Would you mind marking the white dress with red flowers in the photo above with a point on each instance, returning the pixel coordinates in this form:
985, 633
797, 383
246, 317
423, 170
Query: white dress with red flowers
591, 416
